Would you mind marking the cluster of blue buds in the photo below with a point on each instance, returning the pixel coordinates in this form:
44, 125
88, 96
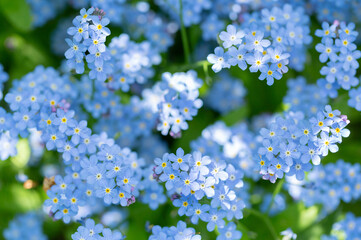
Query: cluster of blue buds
25, 226
89, 35
348, 228
226, 94
329, 184
193, 180
264, 44
3, 78
131, 62
178, 101
338, 51
174, 233
93, 231
290, 143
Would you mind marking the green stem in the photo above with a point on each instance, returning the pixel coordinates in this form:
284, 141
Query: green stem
184, 34
276, 191
93, 89
265, 219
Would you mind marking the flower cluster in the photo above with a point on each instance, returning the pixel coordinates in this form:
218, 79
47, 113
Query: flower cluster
226, 94
90, 230
125, 122
252, 46
110, 173
131, 62
89, 35
329, 184
141, 21
153, 193
339, 52
306, 98
236, 145
290, 143
96, 167
179, 101
192, 178
106, 125
174, 233
26, 226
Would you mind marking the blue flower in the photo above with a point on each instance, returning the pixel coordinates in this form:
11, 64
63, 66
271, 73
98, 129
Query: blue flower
345, 43
237, 57
76, 50
270, 73
327, 31
197, 212
80, 31
154, 197
105, 190
299, 168
63, 119
180, 161
256, 42
231, 37
199, 164
327, 50
188, 183
219, 59
327, 143
257, 61
229, 232
205, 188
85, 15
288, 233
269, 149
215, 218
223, 198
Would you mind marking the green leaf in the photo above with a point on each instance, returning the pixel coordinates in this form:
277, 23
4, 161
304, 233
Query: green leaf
235, 116
297, 216
23, 156
17, 13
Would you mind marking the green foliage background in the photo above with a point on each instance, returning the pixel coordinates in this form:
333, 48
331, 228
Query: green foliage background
22, 48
